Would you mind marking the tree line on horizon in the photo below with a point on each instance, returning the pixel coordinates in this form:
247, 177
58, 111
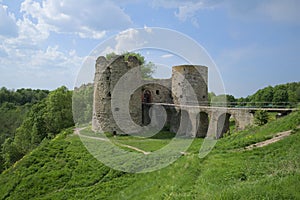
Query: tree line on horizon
283, 95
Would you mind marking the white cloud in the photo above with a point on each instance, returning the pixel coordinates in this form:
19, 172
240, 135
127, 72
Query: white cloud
147, 29
88, 19
86, 32
275, 10
26, 62
30, 60
188, 10
8, 25
30, 33
127, 40
167, 56
34, 68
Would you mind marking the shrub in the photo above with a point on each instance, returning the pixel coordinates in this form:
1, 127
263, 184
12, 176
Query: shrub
261, 117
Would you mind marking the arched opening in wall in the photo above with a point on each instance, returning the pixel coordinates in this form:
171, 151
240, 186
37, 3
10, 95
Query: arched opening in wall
223, 125
202, 124
155, 93
232, 124
147, 97
185, 127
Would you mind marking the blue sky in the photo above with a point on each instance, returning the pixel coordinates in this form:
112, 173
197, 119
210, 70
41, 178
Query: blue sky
256, 43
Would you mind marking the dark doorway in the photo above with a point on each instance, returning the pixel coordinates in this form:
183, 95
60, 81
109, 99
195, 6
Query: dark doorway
223, 125
202, 124
147, 96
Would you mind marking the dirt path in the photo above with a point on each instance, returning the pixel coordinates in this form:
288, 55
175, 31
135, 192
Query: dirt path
77, 132
276, 138
134, 148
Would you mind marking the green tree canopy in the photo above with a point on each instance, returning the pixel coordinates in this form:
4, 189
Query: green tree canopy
45, 119
280, 95
147, 68
261, 117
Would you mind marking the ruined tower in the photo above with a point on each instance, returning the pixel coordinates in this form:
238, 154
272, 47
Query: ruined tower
189, 87
187, 77
108, 73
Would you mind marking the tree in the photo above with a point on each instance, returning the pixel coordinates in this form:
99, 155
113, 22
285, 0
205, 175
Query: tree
298, 93
243, 101
231, 100
82, 101
280, 97
223, 100
22, 126
46, 118
267, 95
109, 56
140, 58
261, 117
4, 95
147, 68
58, 114
292, 97
10, 153
211, 95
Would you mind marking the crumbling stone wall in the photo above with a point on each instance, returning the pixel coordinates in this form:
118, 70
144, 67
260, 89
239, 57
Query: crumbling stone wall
109, 72
160, 93
195, 76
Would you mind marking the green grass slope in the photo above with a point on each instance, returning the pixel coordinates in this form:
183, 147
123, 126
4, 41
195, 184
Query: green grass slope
63, 169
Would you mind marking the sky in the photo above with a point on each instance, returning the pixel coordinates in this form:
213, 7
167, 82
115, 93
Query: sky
43, 43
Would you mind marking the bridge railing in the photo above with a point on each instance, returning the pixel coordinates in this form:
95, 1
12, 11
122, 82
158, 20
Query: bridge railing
261, 104
245, 104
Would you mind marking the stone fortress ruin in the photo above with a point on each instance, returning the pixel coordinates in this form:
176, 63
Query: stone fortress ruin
171, 91
187, 111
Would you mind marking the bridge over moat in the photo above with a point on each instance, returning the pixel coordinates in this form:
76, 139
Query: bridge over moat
207, 121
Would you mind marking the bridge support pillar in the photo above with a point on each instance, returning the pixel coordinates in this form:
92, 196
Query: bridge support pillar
216, 123
243, 118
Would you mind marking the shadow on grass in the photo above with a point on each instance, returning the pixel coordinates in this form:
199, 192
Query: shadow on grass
163, 135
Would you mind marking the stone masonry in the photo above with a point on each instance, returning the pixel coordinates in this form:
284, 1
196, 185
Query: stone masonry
174, 94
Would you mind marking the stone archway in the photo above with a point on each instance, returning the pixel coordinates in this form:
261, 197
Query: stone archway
185, 124
147, 97
232, 124
202, 124
223, 124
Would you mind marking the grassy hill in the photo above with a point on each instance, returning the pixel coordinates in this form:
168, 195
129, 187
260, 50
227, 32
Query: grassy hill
62, 168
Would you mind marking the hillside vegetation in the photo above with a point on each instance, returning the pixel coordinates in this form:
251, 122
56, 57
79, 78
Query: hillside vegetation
14, 106
62, 168
29, 116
